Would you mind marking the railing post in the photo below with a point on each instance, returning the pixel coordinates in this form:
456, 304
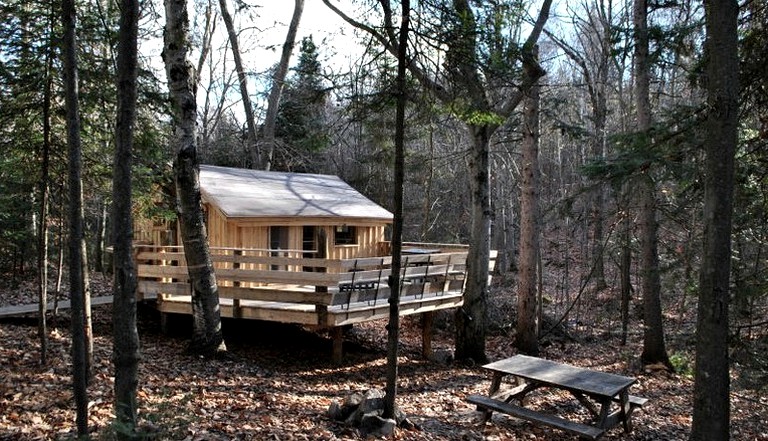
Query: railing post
237, 312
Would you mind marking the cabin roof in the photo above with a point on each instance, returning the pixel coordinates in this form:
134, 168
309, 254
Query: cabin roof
245, 193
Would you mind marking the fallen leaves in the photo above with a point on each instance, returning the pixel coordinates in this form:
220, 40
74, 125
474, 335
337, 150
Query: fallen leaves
278, 384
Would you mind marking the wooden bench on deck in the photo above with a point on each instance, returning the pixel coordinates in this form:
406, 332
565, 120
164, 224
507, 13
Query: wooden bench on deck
587, 386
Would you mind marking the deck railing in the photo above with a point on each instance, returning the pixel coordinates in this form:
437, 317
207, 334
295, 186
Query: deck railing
431, 275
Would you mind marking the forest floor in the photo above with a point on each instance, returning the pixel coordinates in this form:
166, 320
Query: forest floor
278, 382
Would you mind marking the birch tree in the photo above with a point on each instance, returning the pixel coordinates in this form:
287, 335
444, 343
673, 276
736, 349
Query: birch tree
207, 337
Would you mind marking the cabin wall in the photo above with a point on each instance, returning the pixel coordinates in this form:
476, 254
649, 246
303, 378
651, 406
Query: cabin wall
253, 234
368, 238
219, 229
248, 235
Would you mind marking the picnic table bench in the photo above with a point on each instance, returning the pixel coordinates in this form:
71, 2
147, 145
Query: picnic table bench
597, 391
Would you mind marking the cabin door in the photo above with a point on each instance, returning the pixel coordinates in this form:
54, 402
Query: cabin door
278, 240
309, 242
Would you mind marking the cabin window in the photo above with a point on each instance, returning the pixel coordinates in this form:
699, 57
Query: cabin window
345, 235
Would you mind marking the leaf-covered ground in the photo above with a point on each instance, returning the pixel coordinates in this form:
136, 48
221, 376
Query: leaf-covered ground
278, 382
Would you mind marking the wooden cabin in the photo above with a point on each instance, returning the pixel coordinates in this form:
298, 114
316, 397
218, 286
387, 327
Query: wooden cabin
290, 211
301, 248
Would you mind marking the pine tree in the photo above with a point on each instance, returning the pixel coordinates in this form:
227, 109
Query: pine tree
301, 121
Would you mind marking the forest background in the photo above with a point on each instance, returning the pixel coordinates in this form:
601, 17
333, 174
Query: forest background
337, 119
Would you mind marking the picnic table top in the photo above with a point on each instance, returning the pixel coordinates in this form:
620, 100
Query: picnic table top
562, 375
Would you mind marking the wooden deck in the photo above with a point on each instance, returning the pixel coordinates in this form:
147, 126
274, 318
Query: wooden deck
285, 286
256, 284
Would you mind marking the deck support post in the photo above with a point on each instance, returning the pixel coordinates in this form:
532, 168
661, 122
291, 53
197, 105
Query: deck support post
164, 323
337, 334
427, 322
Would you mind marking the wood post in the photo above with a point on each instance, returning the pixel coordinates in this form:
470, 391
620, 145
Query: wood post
427, 321
337, 333
163, 322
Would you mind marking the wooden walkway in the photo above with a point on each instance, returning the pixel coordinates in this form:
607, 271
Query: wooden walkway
17, 310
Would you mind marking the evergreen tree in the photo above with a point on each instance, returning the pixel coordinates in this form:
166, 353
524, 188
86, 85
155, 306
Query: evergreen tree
25, 52
301, 121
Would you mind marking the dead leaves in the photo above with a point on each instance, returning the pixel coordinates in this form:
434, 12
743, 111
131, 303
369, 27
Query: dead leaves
279, 388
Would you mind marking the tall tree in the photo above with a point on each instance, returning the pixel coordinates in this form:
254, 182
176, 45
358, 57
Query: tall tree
207, 337
526, 339
654, 348
278, 80
125, 336
45, 163
711, 399
76, 258
301, 122
474, 86
252, 152
393, 328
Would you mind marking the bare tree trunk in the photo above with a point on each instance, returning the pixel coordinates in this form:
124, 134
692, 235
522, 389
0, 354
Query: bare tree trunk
654, 349
625, 264
598, 197
42, 247
76, 261
526, 339
471, 318
253, 153
101, 231
207, 337
711, 397
208, 29
86, 278
427, 184
278, 80
393, 327
60, 260
599, 114
42, 237
125, 336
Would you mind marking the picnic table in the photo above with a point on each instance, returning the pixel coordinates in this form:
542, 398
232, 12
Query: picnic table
598, 392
